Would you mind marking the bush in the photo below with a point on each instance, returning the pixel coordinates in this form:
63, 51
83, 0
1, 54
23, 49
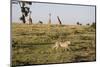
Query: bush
93, 25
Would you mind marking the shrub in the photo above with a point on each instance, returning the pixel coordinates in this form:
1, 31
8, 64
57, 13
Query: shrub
93, 25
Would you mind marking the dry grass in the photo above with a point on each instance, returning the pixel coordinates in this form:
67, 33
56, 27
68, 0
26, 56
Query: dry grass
32, 44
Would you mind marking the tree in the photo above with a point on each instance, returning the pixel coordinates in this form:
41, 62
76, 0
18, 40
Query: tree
30, 18
87, 24
40, 22
78, 23
24, 10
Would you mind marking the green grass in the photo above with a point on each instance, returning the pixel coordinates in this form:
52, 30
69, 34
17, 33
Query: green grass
32, 44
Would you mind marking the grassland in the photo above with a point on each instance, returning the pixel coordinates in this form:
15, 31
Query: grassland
32, 44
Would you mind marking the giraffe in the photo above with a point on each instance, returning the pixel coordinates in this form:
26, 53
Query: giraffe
49, 22
49, 18
60, 23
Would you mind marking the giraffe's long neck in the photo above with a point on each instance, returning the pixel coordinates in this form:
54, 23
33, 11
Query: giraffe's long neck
49, 18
